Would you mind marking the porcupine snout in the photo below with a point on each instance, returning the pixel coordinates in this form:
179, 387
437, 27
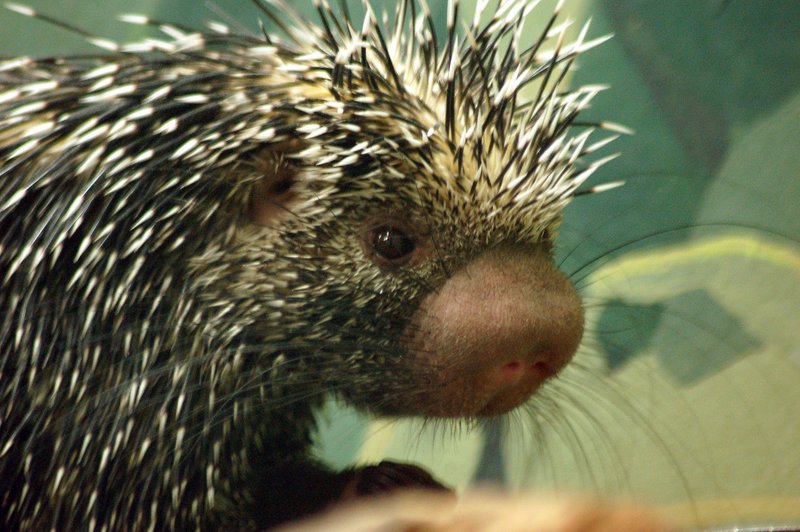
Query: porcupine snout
494, 332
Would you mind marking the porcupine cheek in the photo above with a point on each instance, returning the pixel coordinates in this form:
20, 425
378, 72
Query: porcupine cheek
488, 338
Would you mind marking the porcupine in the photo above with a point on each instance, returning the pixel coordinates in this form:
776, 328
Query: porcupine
202, 237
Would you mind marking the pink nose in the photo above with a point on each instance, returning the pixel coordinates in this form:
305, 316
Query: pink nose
509, 320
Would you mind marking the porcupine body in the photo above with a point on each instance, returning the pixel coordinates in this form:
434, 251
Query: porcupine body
203, 237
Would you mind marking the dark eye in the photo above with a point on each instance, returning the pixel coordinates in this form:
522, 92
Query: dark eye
391, 243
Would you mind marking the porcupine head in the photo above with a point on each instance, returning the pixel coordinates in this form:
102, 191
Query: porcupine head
220, 239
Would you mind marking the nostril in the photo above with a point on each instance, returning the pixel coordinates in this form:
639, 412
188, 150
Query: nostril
512, 370
542, 368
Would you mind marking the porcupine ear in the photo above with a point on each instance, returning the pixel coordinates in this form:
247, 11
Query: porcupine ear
274, 191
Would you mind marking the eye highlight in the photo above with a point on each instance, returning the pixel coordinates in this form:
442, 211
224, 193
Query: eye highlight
391, 242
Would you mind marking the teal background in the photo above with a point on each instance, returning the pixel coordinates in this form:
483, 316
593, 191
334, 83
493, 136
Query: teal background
685, 393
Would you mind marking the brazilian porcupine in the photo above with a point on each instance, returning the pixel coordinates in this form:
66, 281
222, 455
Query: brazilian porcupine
203, 237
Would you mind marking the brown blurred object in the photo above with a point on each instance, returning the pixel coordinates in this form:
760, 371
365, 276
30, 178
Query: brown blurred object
482, 511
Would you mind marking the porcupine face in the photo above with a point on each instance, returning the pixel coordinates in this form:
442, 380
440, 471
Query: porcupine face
439, 311
417, 213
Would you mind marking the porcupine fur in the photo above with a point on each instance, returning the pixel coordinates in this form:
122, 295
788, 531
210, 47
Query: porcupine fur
161, 346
